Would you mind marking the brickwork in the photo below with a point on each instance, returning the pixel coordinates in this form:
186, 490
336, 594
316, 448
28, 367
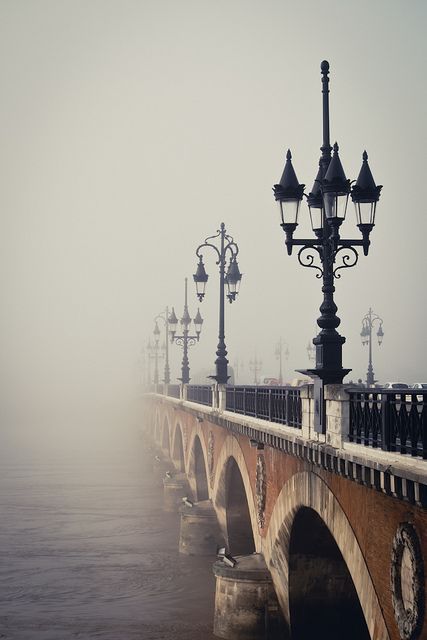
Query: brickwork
371, 516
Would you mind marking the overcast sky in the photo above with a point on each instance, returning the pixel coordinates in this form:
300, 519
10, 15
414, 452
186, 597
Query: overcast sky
129, 130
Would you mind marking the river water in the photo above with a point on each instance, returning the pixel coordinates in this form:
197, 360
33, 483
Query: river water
86, 550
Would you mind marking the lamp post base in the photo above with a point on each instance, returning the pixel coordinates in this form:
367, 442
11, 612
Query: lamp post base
327, 376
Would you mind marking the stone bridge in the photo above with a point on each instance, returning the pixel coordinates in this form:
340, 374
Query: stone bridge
335, 523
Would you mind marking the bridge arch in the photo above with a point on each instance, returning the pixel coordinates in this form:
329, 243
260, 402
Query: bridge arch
306, 501
177, 451
198, 466
165, 442
234, 499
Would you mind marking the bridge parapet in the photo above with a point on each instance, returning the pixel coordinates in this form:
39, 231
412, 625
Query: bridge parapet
270, 482
390, 420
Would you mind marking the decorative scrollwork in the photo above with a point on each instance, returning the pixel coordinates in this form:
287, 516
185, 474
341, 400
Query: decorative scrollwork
348, 259
230, 245
211, 449
180, 340
306, 257
407, 582
261, 490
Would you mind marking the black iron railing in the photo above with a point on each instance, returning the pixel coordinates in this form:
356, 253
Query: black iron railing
200, 393
390, 420
276, 404
174, 390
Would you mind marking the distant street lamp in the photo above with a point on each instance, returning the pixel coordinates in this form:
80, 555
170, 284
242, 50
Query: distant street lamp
164, 318
280, 353
255, 367
368, 323
327, 204
156, 353
185, 340
227, 249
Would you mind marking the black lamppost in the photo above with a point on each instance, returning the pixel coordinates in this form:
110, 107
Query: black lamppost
327, 204
227, 249
164, 317
280, 352
185, 340
368, 323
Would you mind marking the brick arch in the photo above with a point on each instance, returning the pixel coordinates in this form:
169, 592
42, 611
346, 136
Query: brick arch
177, 448
232, 449
190, 466
306, 489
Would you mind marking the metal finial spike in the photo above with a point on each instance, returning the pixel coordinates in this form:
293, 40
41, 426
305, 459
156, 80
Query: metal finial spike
288, 155
324, 66
365, 156
336, 147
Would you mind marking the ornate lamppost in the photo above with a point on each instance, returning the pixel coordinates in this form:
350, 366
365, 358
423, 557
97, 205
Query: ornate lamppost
156, 353
281, 351
227, 249
164, 317
255, 367
368, 323
185, 340
327, 202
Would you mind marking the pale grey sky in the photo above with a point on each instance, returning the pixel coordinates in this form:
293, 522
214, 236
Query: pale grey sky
130, 130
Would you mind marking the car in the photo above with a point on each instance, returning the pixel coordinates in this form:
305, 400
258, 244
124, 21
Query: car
420, 385
395, 385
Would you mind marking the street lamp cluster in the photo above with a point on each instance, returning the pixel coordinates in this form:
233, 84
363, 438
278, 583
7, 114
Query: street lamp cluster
326, 252
327, 203
229, 283
185, 340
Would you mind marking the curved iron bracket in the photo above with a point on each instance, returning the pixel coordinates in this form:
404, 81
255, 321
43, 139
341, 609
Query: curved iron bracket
180, 340
348, 259
307, 259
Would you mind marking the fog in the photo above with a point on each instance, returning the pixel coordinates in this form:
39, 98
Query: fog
130, 130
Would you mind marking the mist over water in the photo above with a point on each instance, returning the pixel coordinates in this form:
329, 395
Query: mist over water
86, 550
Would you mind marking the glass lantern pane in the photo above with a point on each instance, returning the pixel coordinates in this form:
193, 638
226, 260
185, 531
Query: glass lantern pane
335, 204
330, 204
316, 215
365, 212
342, 201
200, 288
289, 210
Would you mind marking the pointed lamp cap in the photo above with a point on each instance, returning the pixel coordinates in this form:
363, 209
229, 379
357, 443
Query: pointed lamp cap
288, 187
233, 272
365, 189
185, 320
335, 174
200, 275
198, 319
172, 317
314, 198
